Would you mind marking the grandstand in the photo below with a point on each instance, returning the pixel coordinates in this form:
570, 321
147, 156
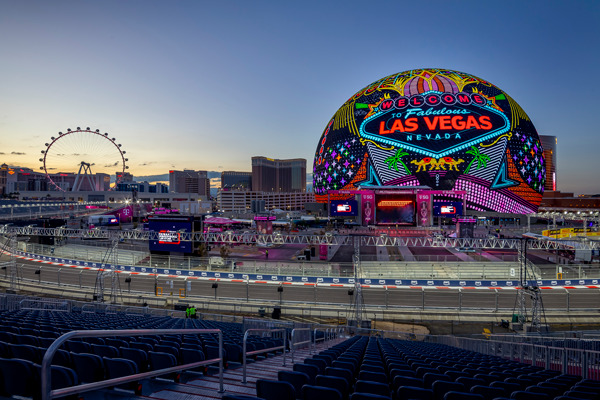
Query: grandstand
108, 352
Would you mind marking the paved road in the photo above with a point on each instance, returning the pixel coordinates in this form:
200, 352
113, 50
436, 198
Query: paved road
554, 299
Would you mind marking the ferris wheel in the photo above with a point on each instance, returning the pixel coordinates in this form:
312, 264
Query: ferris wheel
85, 153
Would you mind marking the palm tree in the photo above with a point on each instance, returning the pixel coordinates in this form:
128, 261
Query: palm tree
397, 158
481, 159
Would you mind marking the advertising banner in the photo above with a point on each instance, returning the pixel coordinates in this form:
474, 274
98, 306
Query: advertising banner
423, 207
344, 208
368, 208
448, 209
169, 230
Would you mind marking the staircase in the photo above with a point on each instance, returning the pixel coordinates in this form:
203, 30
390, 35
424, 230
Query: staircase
197, 386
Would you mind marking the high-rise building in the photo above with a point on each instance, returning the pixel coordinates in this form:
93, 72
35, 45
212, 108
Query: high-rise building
549, 144
278, 176
3, 175
252, 201
188, 181
236, 180
125, 176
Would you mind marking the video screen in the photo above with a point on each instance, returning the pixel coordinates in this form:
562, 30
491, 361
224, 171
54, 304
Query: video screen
394, 210
169, 234
448, 208
344, 208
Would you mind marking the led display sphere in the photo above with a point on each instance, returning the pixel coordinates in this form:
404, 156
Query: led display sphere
444, 129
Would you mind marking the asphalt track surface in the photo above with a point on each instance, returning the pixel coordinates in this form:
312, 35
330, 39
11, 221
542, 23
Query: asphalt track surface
430, 298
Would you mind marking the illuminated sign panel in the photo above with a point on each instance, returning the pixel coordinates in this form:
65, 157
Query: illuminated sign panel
445, 129
169, 230
448, 209
345, 208
394, 210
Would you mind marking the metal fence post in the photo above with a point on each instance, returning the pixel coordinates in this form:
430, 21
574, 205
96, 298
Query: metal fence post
568, 300
459, 299
565, 361
496, 298
58, 276
423, 297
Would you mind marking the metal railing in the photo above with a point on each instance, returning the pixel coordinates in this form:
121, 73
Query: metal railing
294, 343
568, 360
46, 372
260, 351
43, 304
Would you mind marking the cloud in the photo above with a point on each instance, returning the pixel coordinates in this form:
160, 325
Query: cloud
16, 153
220, 166
75, 154
50, 168
112, 165
2, 153
147, 163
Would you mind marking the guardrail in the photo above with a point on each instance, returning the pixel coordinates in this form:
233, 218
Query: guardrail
575, 361
294, 343
46, 372
45, 304
324, 338
261, 350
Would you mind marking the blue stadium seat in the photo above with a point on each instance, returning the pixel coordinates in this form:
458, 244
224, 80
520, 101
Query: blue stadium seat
551, 392
25, 352
346, 365
321, 364
296, 379
160, 361
440, 388
275, 390
340, 373
372, 388
366, 396
373, 377
508, 387
461, 396
28, 340
580, 395
141, 346
119, 367
488, 393
319, 393
78, 347
189, 356
309, 370
414, 393
470, 382
89, 367
18, 377
139, 357
333, 382
105, 351
521, 395
429, 379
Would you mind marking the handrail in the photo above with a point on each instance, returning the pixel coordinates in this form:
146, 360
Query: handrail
324, 337
48, 393
261, 350
90, 305
293, 344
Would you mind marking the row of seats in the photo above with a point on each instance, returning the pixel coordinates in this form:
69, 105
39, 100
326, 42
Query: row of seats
26, 335
362, 368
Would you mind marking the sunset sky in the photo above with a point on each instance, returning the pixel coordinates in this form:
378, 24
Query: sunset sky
207, 85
